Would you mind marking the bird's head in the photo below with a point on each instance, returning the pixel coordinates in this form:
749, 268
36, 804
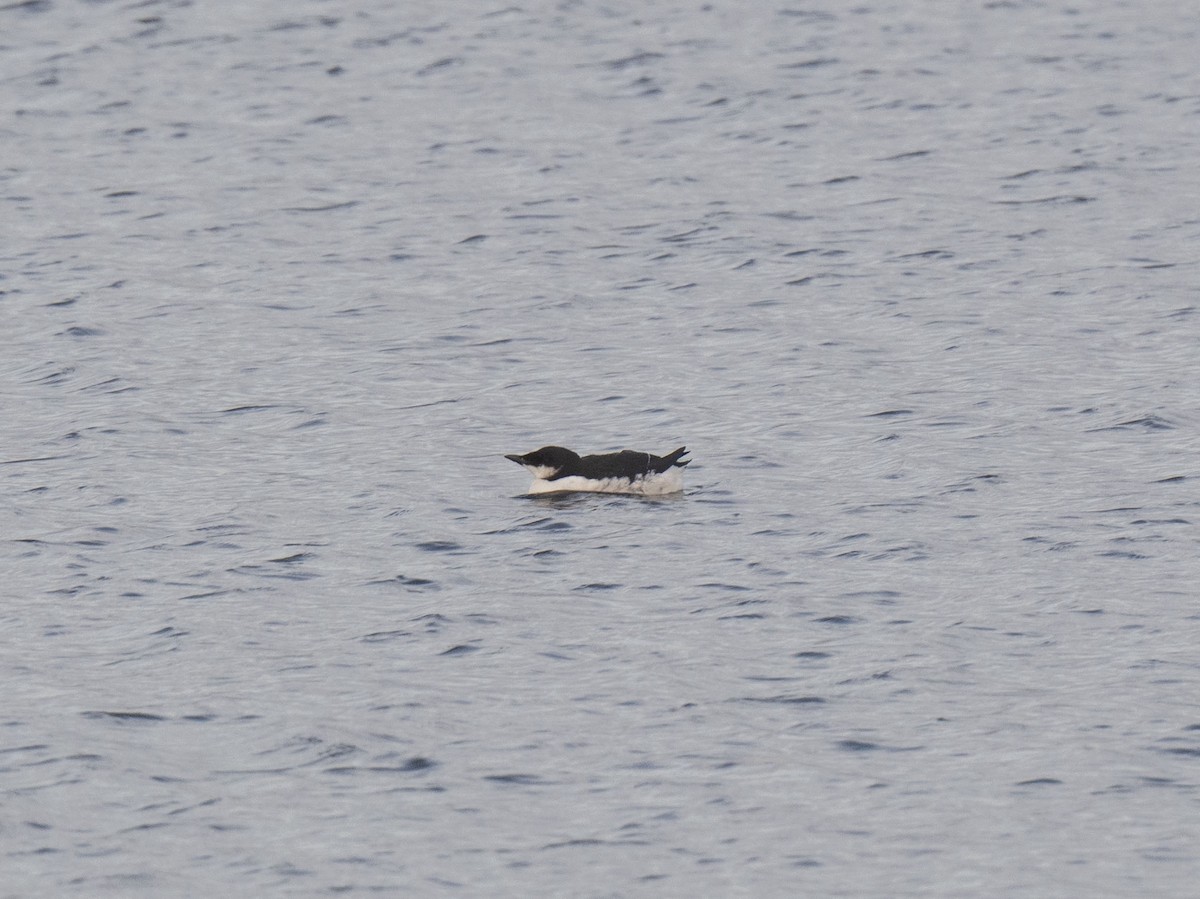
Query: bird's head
546, 462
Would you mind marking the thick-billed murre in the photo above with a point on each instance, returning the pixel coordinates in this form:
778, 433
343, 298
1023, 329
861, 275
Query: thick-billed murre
559, 470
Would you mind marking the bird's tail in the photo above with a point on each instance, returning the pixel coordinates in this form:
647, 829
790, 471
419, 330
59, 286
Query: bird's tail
676, 458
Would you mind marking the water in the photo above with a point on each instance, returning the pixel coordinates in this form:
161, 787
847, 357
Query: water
914, 282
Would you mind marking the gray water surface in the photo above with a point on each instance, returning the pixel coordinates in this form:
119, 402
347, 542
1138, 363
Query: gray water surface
915, 282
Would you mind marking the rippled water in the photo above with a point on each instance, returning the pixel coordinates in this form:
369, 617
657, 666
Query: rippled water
916, 283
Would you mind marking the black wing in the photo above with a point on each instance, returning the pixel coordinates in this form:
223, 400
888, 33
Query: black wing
629, 463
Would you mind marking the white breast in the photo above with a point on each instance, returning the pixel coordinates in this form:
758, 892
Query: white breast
670, 481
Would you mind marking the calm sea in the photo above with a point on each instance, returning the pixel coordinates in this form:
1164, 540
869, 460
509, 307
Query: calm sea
916, 283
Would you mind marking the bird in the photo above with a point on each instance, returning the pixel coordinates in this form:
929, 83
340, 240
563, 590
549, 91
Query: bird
556, 469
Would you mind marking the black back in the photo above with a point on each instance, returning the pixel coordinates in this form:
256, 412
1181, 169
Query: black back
625, 464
